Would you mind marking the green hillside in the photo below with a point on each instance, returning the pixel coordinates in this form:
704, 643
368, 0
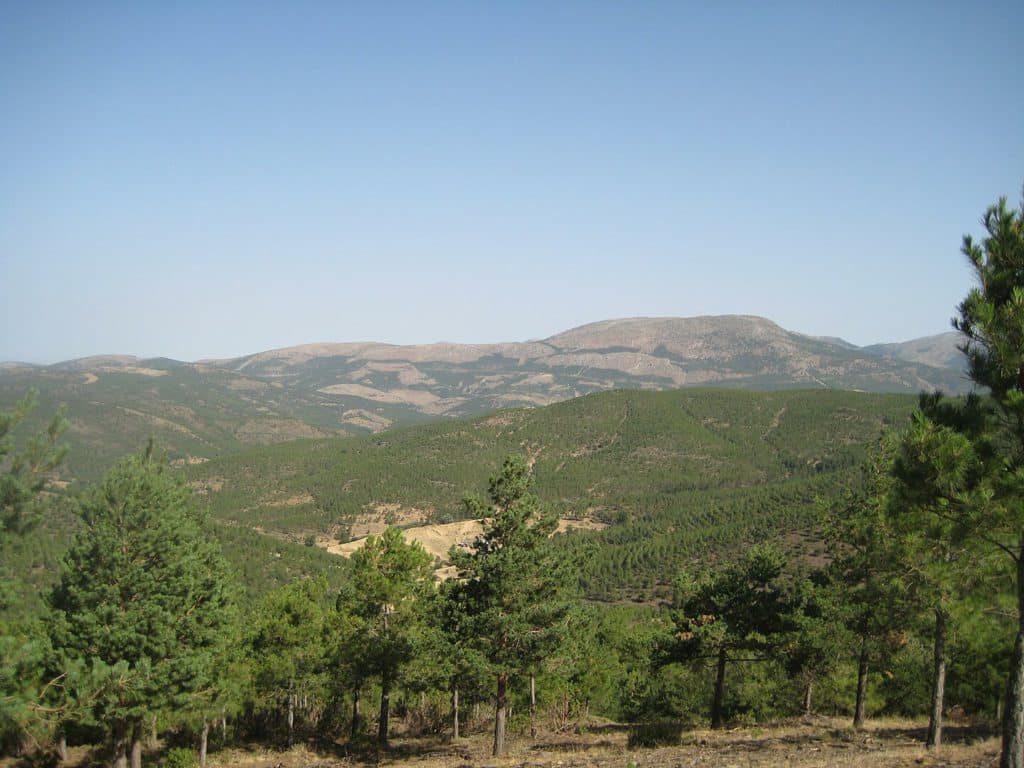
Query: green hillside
190, 410
676, 475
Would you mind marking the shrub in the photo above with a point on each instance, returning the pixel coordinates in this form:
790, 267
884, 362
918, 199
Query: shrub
181, 757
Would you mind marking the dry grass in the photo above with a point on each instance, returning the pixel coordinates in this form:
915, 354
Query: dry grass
808, 743
816, 742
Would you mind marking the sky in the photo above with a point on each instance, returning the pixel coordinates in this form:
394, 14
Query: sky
197, 180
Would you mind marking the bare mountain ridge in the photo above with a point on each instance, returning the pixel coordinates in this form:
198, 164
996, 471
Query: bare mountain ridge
653, 352
202, 409
941, 350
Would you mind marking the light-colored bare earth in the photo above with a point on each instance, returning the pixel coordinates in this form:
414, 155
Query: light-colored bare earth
189, 461
425, 401
436, 539
89, 378
292, 501
153, 372
537, 380
407, 373
439, 538
580, 524
378, 516
359, 417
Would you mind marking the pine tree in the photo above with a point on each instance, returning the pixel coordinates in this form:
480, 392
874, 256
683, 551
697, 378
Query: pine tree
25, 472
739, 608
510, 601
974, 474
288, 642
386, 599
144, 600
868, 570
939, 469
814, 645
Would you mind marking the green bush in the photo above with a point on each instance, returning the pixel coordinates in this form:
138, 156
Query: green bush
181, 757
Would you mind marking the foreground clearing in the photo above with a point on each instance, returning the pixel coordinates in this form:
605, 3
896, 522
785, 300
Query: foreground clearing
808, 743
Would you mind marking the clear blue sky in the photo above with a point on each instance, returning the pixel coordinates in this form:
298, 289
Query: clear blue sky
208, 179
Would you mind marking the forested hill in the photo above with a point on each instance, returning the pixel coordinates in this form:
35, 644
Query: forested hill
672, 475
207, 409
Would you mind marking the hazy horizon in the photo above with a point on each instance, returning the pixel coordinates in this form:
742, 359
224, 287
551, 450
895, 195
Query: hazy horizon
313, 342
199, 182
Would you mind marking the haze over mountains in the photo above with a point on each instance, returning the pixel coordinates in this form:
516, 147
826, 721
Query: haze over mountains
201, 409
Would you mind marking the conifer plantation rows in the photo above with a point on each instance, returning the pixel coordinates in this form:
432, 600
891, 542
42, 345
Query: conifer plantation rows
916, 605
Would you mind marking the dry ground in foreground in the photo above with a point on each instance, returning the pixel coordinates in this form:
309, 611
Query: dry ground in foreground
805, 743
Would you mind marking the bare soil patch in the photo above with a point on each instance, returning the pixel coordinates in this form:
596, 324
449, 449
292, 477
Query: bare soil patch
436, 539
359, 417
292, 501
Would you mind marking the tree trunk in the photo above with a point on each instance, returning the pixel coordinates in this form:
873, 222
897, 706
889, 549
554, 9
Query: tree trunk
533, 706
500, 705
291, 712
455, 713
355, 713
385, 710
862, 688
476, 711
716, 702
1013, 711
62, 745
934, 740
203, 737
154, 738
808, 690
137, 745
223, 725
120, 736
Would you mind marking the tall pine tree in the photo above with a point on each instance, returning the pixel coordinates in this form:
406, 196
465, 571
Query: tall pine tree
25, 471
967, 474
144, 600
510, 602
386, 600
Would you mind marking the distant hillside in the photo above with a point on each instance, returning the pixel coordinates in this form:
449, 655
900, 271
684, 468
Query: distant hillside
206, 409
941, 351
673, 475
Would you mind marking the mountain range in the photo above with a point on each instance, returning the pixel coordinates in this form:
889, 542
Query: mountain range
201, 409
